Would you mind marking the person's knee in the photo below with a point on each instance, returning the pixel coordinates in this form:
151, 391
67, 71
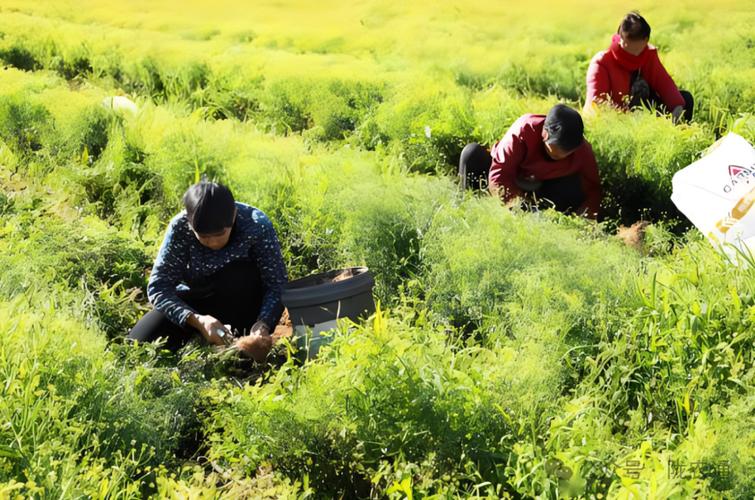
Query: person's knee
151, 326
140, 332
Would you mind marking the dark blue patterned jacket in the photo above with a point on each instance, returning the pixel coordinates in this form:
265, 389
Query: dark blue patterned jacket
182, 259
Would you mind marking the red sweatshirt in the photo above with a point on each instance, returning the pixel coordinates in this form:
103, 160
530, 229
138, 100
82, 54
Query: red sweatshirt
610, 71
521, 153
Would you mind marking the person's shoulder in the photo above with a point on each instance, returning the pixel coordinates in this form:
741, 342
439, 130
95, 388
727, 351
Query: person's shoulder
251, 217
585, 149
532, 118
600, 57
178, 232
530, 123
179, 222
652, 56
244, 210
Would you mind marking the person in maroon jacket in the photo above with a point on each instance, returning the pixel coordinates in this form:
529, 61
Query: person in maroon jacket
629, 74
543, 159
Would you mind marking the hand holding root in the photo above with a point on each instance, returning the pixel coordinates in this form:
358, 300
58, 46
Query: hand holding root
259, 328
211, 329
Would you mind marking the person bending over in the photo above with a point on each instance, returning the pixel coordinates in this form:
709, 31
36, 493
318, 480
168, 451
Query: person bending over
630, 74
543, 159
219, 264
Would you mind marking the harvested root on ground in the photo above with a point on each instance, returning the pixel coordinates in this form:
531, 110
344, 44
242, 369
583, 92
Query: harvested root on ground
634, 235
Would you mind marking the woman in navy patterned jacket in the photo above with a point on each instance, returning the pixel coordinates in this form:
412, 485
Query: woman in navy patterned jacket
219, 264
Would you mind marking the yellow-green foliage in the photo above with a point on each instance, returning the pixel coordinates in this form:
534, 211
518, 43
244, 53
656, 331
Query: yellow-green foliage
514, 354
474, 45
85, 424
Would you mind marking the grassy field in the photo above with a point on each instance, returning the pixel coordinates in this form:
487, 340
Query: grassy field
513, 354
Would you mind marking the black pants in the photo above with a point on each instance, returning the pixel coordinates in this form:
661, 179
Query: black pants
689, 105
641, 95
565, 194
233, 295
654, 102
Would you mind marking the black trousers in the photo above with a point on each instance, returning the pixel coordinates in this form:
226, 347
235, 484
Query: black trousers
233, 295
689, 105
648, 98
565, 194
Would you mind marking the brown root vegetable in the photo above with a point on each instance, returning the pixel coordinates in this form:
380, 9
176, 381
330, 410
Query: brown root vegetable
256, 347
634, 235
284, 328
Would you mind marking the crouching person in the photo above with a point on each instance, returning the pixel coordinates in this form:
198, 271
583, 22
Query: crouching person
629, 74
543, 159
219, 264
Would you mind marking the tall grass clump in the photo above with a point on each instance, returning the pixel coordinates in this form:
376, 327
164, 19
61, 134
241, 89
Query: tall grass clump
686, 349
496, 108
22, 123
491, 270
35, 113
86, 423
386, 405
560, 74
425, 125
718, 77
122, 188
328, 109
84, 254
638, 154
679, 367
82, 126
340, 208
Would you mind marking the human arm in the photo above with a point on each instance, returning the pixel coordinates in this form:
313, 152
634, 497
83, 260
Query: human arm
663, 85
590, 185
267, 254
167, 272
507, 156
598, 85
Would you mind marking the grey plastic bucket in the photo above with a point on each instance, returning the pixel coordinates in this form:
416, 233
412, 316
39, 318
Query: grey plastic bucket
317, 302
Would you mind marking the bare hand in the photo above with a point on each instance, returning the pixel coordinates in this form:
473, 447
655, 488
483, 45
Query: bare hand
259, 328
211, 329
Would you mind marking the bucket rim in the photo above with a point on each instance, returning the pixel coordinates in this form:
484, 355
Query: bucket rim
298, 294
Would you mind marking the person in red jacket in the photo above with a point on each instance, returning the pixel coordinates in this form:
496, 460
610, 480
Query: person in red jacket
541, 158
629, 74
